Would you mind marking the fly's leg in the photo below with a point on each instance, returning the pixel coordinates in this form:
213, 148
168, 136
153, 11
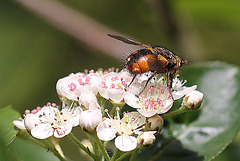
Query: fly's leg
132, 80
148, 82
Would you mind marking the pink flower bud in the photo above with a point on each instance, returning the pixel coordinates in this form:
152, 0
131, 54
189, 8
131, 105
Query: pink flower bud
193, 100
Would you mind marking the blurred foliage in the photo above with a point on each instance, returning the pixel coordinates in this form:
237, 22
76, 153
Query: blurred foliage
217, 23
34, 55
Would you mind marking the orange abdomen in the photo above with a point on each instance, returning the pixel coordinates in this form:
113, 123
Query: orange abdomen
140, 66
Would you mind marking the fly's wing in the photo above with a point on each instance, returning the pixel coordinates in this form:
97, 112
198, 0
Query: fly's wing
157, 63
127, 40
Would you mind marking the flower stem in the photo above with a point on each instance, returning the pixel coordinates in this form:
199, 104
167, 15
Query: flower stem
115, 154
38, 142
55, 143
100, 144
124, 156
176, 112
97, 150
105, 143
80, 145
134, 155
52, 149
59, 150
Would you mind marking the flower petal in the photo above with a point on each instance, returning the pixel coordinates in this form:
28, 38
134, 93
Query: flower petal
147, 113
62, 131
187, 90
103, 92
177, 95
42, 131
116, 95
19, 124
86, 98
131, 100
141, 120
89, 119
31, 120
104, 132
74, 119
167, 106
126, 143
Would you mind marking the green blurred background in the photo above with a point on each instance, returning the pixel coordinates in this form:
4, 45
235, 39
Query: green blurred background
35, 52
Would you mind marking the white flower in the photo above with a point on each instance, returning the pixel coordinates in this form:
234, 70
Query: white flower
153, 100
178, 90
51, 121
72, 86
89, 119
129, 125
86, 98
113, 85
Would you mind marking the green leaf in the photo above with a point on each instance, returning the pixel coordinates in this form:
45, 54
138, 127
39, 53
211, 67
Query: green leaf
205, 133
26, 150
3, 153
7, 128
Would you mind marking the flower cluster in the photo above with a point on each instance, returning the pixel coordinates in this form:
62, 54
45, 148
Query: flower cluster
50, 121
82, 94
129, 125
